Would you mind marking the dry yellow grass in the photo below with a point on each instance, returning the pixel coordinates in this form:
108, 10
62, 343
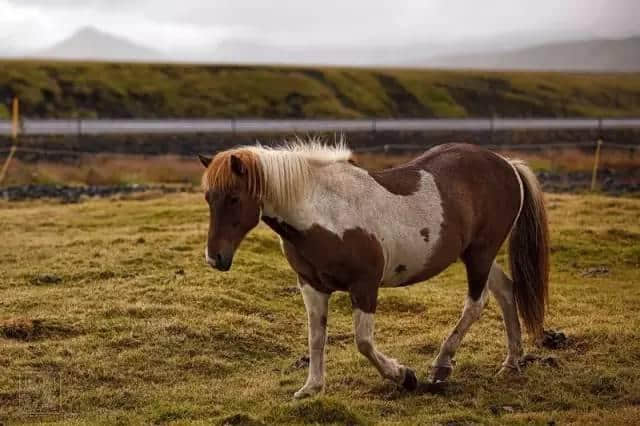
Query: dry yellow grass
108, 315
110, 169
107, 169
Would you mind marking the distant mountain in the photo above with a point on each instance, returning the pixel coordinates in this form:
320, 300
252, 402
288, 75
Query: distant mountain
514, 51
91, 44
587, 55
510, 53
255, 52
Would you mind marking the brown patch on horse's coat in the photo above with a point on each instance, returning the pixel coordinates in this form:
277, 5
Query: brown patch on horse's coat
400, 269
403, 180
328, 262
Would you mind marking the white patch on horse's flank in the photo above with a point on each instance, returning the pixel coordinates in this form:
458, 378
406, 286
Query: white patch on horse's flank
344, 197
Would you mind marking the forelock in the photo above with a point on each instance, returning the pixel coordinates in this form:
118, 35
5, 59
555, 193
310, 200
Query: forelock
220, 177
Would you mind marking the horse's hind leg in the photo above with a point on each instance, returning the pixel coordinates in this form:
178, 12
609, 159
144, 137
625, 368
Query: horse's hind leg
478, 268
502, 288
388, 367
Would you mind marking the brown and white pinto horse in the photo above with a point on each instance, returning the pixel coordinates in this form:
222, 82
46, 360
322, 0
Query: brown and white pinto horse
344, 228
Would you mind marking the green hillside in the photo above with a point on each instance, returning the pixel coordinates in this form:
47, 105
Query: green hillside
57, 90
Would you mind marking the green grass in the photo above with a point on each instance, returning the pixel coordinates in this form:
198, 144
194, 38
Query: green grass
110, 301
68, 89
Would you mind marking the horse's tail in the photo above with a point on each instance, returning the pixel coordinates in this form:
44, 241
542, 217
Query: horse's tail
529, 253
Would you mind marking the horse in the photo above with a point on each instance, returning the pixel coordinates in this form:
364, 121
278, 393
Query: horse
344, 228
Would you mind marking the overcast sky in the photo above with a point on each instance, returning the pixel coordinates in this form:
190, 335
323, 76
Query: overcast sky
176, 24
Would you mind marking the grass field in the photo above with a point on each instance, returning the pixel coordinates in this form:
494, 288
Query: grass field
108, 315
116, 169
68, 89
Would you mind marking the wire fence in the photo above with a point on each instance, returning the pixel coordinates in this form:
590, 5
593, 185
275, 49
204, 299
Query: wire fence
235, 126
88, 128
386, 148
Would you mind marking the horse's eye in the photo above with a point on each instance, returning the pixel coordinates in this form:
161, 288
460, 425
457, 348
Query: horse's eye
234, 200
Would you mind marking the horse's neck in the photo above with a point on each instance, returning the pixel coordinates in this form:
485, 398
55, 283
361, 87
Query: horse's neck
329, 197
305, 210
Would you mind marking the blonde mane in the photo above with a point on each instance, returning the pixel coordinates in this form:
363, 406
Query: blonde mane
280, 176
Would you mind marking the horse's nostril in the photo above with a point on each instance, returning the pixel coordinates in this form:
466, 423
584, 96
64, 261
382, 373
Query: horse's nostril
218, 259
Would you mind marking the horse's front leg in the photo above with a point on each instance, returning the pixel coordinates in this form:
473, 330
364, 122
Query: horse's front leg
316, 304
389, 368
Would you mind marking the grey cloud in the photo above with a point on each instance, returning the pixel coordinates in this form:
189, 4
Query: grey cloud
337, 22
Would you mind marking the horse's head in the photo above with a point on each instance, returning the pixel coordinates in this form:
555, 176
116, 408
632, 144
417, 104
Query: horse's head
231, 184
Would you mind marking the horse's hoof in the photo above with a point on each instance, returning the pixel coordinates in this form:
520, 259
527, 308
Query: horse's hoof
508, 370
436, 386
307, 392
410, 381
440, 374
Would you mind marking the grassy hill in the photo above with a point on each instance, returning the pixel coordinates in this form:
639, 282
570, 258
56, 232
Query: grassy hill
67, 89
109, 315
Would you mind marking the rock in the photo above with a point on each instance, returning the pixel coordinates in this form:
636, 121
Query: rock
74, 194
300, 363
46, 279
554, 339
497, 410
593, 272
179, 274
528, 359
551, 361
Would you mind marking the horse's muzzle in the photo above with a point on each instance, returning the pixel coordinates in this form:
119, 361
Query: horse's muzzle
223, 263
219, 261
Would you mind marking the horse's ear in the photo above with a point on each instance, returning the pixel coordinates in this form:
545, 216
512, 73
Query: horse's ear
237, 166
204, 160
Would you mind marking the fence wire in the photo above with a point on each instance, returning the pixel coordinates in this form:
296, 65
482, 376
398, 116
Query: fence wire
631, 148
232, 125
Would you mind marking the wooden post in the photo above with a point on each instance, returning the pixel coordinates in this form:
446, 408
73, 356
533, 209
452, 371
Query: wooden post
15, 130
15, 115
594, 174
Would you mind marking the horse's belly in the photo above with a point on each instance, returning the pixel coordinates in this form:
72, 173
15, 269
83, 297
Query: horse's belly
406, 258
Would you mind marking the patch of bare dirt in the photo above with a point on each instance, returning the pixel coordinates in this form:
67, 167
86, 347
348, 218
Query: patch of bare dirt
27, 329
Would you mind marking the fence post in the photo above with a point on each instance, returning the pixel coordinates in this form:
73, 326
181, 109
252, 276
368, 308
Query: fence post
596, 160
15, 126
492, 127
